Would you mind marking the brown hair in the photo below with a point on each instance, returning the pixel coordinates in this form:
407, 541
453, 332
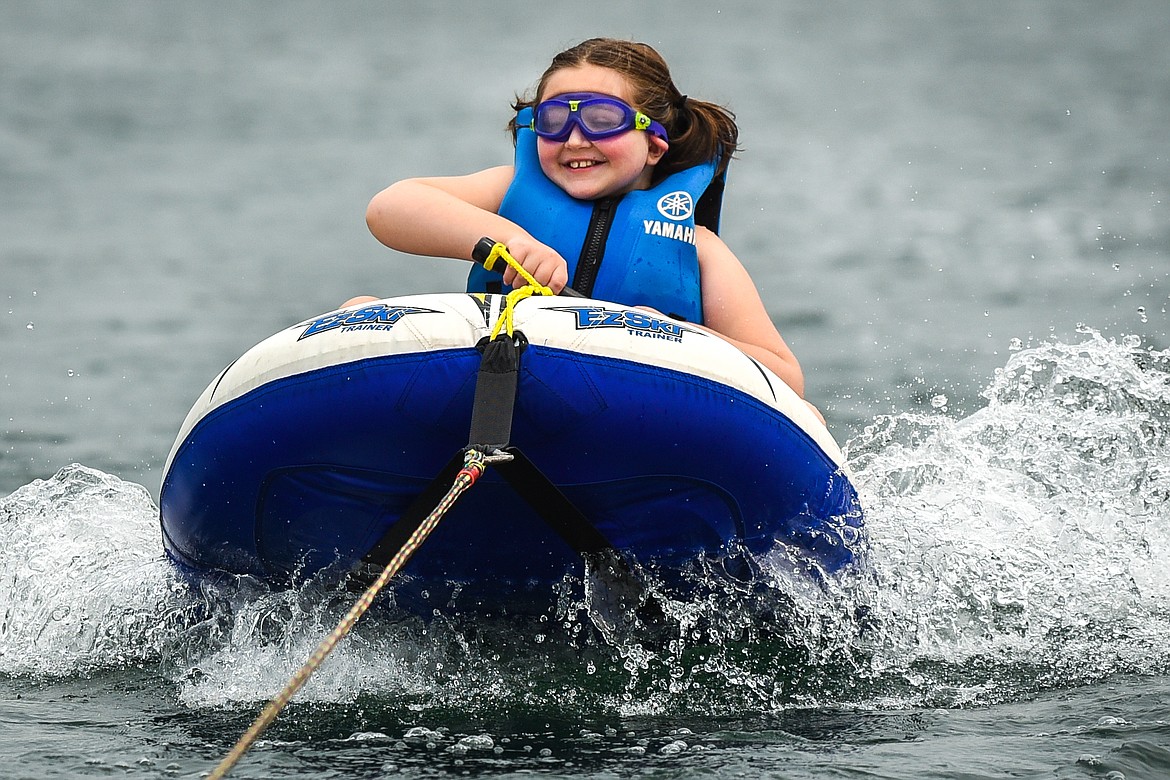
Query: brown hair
698, 131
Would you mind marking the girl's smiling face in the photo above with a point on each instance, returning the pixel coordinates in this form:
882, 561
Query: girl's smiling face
586, 169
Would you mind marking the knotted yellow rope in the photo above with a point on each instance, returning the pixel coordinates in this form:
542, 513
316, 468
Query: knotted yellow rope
532, 287
473, 466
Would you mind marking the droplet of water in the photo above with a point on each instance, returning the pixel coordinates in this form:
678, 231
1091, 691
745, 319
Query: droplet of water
939, 401
29, 326
366, 736
421, 732
474, 742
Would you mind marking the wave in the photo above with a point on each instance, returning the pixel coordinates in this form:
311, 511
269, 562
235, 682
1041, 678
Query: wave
1031, 537
1023, 547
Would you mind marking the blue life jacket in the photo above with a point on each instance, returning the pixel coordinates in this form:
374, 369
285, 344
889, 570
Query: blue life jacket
635, 249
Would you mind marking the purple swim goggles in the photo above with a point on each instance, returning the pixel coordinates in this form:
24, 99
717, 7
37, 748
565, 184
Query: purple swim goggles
598, 116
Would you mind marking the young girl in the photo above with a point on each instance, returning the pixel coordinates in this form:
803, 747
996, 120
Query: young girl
615, 191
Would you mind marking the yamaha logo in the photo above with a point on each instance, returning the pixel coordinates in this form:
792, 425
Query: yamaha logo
676, 205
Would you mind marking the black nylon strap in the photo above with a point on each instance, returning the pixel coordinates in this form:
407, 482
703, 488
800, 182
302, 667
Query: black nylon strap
495, 392
397, 534
557, 511
491, 430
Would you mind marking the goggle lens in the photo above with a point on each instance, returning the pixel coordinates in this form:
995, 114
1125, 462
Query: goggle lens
598, 116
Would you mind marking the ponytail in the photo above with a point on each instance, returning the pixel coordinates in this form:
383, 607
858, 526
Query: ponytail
698, 131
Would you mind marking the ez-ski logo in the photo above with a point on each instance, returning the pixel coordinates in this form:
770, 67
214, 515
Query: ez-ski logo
377, 316
636, 323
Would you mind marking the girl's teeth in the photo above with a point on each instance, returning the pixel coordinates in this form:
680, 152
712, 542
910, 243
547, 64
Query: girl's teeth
580, 164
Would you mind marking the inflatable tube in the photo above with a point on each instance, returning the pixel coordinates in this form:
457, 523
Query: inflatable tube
673, 444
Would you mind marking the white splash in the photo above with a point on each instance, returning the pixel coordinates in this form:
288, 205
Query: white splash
85, 585
1025, 545
1036, 530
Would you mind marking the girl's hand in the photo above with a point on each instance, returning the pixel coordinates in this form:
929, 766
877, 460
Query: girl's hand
543, 262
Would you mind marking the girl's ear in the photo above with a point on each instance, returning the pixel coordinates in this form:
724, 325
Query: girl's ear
658, 148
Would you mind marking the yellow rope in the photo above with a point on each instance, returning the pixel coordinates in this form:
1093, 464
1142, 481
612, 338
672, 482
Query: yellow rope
500, 252
473, 466
532, 287
507, 316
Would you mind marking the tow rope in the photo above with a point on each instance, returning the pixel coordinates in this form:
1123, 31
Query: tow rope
476, 457
474, 464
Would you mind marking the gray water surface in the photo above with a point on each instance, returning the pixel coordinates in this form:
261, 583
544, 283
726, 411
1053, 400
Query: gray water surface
956, 213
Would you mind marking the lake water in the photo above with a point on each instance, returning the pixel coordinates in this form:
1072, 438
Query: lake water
957, 214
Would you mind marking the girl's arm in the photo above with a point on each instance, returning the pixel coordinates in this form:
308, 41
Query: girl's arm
732, 309
444, 216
